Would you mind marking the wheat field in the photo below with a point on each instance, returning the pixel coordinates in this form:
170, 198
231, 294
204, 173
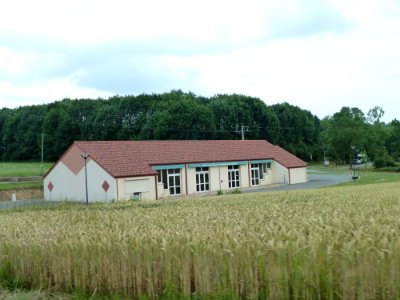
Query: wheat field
337, 243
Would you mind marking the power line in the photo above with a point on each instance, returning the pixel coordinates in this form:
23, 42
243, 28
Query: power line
242, 130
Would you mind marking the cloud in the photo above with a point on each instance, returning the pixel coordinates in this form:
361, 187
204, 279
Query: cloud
314, 53
297, 19
12, 95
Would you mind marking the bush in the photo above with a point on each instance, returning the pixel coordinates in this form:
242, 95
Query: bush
379, 163
236, 191
384, 161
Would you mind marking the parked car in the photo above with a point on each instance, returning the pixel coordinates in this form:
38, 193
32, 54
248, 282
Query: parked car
357, 161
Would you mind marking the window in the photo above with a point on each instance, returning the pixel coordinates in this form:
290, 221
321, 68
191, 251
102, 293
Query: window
255, 174
171, 180
202, 179
163, 178
136, 196
174, 181
262, 169
233, 176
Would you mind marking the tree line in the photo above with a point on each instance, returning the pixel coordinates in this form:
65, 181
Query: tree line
183, 116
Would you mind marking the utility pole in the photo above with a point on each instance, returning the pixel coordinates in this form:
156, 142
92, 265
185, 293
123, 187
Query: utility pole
242, 130
41, 156
85, 156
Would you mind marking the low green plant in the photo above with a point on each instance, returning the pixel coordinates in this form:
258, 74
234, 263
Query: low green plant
134, 198
220, 192
236, 191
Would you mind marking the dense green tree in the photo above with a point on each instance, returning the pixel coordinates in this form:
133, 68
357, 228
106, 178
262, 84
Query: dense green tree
344, 131
21, 133
180, 115
299, 131
377, 135
393, 140
233, 111
4, 114
181, 119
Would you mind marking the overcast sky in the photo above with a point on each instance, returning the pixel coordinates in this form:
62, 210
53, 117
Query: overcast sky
317, 54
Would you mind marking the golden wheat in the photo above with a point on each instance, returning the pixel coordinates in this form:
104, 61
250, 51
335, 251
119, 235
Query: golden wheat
324, 244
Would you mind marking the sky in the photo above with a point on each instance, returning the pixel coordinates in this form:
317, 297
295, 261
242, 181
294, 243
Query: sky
320, 55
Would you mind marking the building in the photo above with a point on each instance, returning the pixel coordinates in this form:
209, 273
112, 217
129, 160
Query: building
119, 170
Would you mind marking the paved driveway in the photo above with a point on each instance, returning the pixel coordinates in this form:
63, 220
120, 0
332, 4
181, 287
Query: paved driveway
22, 203
315, 180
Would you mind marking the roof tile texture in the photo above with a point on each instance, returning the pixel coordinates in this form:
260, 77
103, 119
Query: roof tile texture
135, 158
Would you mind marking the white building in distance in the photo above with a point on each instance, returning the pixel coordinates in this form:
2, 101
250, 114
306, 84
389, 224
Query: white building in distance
150, 170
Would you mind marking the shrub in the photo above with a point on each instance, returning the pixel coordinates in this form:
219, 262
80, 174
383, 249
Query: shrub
236, 191
384, 161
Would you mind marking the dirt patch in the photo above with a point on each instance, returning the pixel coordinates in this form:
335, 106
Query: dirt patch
22, 194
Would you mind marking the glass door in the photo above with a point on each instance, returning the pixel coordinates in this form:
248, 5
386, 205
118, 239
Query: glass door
174, 181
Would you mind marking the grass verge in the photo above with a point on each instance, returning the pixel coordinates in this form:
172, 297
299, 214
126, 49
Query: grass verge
22, 169
21, 185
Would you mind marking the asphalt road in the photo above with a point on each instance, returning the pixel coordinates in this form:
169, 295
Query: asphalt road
315, 180
22, 203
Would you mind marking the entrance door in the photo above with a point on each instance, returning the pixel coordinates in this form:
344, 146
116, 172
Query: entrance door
255, 174
174, 181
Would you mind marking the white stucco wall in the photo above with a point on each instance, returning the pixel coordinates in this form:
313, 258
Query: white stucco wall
279, 173
191, 180
298, 175
71, 187
144, 185
268, 176
244, 175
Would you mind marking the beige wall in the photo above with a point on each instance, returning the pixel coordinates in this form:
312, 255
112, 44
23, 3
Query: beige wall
268, 177
219, 178
191, 180
71, 187
244, 175
279, 173
144, 185
298, 175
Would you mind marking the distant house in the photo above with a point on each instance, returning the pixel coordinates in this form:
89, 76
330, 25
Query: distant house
119, 170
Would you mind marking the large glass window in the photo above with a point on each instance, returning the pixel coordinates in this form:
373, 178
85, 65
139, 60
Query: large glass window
174, 181
171, 180
255, 174
202, 179
163, 178
233, 176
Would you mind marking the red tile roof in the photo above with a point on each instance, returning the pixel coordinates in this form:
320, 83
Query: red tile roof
135, 158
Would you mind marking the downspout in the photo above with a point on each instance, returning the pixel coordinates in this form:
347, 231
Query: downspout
155, 183
186, 178
249, 168
116, 182
289, 175
219, 177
